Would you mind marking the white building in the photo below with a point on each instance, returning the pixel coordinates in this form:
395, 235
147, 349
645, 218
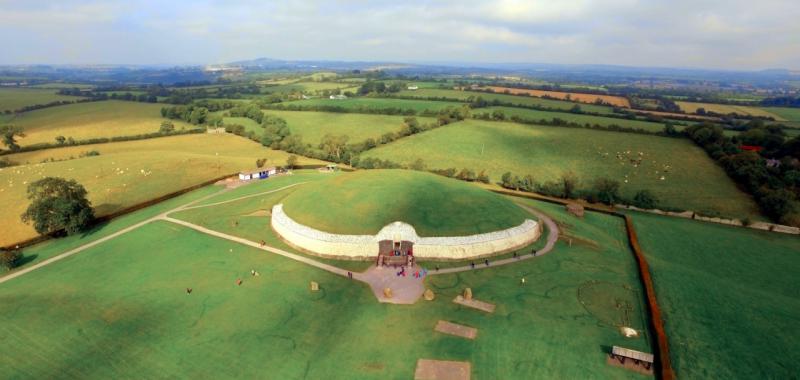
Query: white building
258, 174
413, 87
338, 97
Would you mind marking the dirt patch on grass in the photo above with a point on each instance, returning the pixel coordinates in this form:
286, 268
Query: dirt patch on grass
456, 329
428, 369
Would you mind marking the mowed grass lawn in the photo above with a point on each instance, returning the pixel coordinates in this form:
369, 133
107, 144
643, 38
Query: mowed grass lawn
522, 100
528, 114
363, 202
12, 99
691, 181
728, 297
128, 173
121, 311
90, 120
357, 104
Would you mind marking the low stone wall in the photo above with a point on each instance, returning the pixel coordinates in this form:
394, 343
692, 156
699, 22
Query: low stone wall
365, 246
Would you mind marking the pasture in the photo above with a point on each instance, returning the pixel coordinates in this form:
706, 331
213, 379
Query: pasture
363, 202
91, 120
313, 126
690, 181
14, 98
309, 87
128, 173
122, 311
725, 293
617, 101
528, 114
356, 104
516, 100
726, 109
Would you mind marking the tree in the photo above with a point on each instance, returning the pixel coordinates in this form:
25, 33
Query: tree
10, 259
61, 140
669, 129
418, 164
606, 190
166, 127
334, 145
505, 180
569, 182
57, 204
8, 134
260, 162
291, 161
483, 177
645, 199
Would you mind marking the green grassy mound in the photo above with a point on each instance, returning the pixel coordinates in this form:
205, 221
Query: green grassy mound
363, 202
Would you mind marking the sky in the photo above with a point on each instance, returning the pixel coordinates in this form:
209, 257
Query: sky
730, 34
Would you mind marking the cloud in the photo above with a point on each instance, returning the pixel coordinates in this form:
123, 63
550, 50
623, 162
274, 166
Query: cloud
735, 34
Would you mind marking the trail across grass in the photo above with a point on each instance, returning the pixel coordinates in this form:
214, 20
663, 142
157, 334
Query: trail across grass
691, 180
728, 297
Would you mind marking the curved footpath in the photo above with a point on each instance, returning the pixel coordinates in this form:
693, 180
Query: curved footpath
406, 289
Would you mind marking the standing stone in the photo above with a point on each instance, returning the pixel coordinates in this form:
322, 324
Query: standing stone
387, 292
314, 286
468, 294
429, 296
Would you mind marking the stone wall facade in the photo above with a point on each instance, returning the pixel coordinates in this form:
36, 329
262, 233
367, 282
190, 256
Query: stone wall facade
366, 246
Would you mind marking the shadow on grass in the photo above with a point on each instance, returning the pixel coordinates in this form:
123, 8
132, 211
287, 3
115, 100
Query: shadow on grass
26, 259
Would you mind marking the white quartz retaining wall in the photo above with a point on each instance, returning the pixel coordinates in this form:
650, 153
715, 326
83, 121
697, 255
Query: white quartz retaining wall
365, 246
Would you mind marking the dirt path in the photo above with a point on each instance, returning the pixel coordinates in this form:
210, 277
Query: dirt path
406, 289
552, 237
101, 240
162, 216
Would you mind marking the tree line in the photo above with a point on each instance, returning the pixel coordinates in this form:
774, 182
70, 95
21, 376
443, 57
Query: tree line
771, 175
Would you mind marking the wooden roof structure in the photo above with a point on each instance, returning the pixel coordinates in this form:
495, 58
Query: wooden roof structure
633, 354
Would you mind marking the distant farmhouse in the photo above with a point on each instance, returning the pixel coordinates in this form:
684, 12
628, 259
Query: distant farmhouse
338, 97
258, 174
413, 87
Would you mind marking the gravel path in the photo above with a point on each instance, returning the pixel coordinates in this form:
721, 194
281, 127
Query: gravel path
552, 237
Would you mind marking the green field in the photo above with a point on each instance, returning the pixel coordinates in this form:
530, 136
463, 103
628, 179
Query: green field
356, 104
512, 99
91, 120
725, 109
528, 114
309, 87
127, 173
692, 181
313, 126
121, 311
363, 202
789, 114
14, 98
728, 296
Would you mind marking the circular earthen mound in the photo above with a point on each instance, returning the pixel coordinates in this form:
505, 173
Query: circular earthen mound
363, 202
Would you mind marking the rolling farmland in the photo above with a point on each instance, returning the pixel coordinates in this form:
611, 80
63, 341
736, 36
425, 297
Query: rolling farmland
690, 179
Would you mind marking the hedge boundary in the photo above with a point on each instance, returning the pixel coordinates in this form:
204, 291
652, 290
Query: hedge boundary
656, 323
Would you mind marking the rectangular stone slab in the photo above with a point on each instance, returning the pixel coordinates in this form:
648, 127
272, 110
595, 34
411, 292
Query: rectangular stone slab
475, 304
428, 369
456, 329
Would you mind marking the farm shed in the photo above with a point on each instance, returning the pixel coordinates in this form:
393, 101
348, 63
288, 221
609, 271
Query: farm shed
258, 174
